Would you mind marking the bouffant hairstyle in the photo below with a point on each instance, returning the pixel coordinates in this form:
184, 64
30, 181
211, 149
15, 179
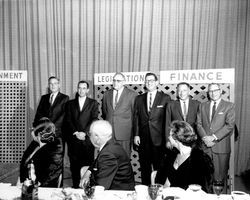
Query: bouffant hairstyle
46, 130
183, 132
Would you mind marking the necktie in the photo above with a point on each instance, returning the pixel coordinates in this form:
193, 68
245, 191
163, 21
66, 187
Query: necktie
51, 99
184, 110
116, 99
213, 110
150, 102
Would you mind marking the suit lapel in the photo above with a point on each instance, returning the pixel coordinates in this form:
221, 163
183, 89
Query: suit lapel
207, 108
56, 100
85, 104
122, 96
156, 100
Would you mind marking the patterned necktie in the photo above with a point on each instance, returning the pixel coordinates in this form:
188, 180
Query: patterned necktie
213, 110
150, 102
51, 99
116, 99
184, 110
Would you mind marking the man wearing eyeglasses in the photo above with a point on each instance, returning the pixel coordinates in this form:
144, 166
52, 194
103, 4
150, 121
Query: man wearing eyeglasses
215, 124
150, 135
118, 109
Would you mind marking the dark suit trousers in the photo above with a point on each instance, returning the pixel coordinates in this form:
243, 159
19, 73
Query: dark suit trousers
80, 154
150, 156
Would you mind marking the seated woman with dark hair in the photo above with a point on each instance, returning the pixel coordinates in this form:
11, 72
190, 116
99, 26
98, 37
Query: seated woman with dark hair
45, 153
185, 163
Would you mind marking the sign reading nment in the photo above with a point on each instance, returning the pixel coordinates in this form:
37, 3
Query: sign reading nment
13, 75
198, 76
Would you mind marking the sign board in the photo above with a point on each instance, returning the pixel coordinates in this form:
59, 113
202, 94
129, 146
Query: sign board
197, 76
13, 75
131, 78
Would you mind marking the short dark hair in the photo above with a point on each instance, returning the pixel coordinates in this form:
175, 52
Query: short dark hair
183, 132
53, 77
151, 74
183, 83
82, 81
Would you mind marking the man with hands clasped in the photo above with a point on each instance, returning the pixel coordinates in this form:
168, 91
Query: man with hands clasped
80, 113
215, 124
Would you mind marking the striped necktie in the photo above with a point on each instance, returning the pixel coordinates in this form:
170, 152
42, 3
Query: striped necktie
51, 99
213, 110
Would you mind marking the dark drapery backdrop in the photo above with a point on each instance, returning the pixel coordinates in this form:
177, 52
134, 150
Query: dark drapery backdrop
73, 39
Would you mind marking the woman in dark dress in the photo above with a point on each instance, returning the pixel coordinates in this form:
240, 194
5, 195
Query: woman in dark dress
185, 163
45, 153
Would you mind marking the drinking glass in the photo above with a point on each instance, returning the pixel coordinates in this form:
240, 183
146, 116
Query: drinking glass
154, 190
218, 186
89, 190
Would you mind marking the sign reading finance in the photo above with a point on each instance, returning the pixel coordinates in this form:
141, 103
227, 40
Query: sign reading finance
13, 75
198, 76
131, 78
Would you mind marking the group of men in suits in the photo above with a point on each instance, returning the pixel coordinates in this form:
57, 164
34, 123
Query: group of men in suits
143, 120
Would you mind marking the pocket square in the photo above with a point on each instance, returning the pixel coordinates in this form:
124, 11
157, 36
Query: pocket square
160, 106
220, 113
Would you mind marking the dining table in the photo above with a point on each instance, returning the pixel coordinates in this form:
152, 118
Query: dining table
8, 192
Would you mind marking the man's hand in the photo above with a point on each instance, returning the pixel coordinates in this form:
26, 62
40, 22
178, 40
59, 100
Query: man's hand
209, 140
80, 135
85, 179
137, 140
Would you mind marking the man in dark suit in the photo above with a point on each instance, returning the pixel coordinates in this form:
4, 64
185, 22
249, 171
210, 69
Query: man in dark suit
183, 109
80, 113
111, 168
52, 106
118, 109
215, 124
150, 135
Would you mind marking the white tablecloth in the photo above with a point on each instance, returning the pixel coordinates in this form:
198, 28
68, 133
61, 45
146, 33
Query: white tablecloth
14, 193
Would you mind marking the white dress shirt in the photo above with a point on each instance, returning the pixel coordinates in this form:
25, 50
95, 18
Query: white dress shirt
153, 98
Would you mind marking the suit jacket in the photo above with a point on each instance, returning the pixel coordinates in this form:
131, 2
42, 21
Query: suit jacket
122, 116
174, 112
55, 112
221, 126
79, 120
112, 168
152, 123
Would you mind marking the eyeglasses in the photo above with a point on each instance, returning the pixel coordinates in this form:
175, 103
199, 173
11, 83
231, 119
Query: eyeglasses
118, 81
213, 91
150, 81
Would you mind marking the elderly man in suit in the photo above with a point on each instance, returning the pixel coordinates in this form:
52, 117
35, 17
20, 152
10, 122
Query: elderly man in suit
215, 124
150, 134
183, 109
52, 106
118, 109
80, 113
111, 168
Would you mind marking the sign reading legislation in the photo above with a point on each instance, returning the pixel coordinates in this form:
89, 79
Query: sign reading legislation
13, 75
198, 76
131, 78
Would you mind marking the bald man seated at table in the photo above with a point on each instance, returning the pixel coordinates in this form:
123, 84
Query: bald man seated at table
111, 168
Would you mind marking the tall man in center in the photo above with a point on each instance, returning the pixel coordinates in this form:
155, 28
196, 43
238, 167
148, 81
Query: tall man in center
150, 133
118, 109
